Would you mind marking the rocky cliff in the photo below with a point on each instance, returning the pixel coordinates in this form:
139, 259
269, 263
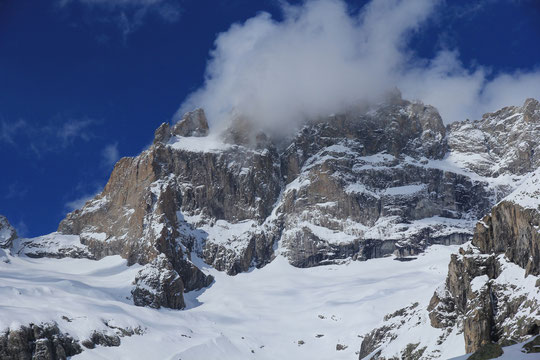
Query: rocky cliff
492, 292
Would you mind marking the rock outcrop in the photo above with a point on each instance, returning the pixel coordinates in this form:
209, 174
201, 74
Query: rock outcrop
157, 284
193, 123
53, 245
37, 342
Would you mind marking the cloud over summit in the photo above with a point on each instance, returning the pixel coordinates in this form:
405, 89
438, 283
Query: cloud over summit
322, 57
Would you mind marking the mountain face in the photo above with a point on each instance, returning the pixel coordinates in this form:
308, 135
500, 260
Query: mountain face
335, 192
366, 183
357, 185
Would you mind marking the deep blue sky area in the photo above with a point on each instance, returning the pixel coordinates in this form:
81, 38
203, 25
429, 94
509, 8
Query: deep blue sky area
82, 84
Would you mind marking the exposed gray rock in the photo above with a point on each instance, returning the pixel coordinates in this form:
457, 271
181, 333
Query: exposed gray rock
101, 339
37, 342
52, 246
163, 134
371, 343
157, 284
512, 230
193, 123
7, 233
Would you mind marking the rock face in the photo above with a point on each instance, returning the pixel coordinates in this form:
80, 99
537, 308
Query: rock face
357, 185
37, 342
492, 292
7, 233
509, 234
157, 284
492, 307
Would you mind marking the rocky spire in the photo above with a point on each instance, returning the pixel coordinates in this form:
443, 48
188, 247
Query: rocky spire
193, 123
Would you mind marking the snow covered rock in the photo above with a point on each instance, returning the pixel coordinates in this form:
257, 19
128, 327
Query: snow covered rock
157, 284
53, 245
167, 199
503, 142
7, 233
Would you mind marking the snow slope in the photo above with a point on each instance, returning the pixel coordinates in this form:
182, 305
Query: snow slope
262, 314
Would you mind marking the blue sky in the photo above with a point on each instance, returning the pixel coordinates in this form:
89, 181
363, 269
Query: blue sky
84, 82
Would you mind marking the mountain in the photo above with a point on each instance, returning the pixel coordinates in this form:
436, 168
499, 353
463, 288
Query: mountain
358, 185
373, 181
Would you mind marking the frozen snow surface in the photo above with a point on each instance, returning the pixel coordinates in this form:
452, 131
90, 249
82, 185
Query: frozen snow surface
277, 312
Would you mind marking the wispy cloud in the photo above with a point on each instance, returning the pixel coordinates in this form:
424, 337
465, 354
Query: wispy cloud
74, 129
16, 191
110, 155
8, 131
79, 202
129, 15
54, 136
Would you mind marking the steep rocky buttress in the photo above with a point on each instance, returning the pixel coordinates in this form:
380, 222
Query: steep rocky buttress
492, 292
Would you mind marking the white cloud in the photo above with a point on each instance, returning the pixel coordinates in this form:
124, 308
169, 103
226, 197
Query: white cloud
74, 129
322, 58
110, 155
79, 202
